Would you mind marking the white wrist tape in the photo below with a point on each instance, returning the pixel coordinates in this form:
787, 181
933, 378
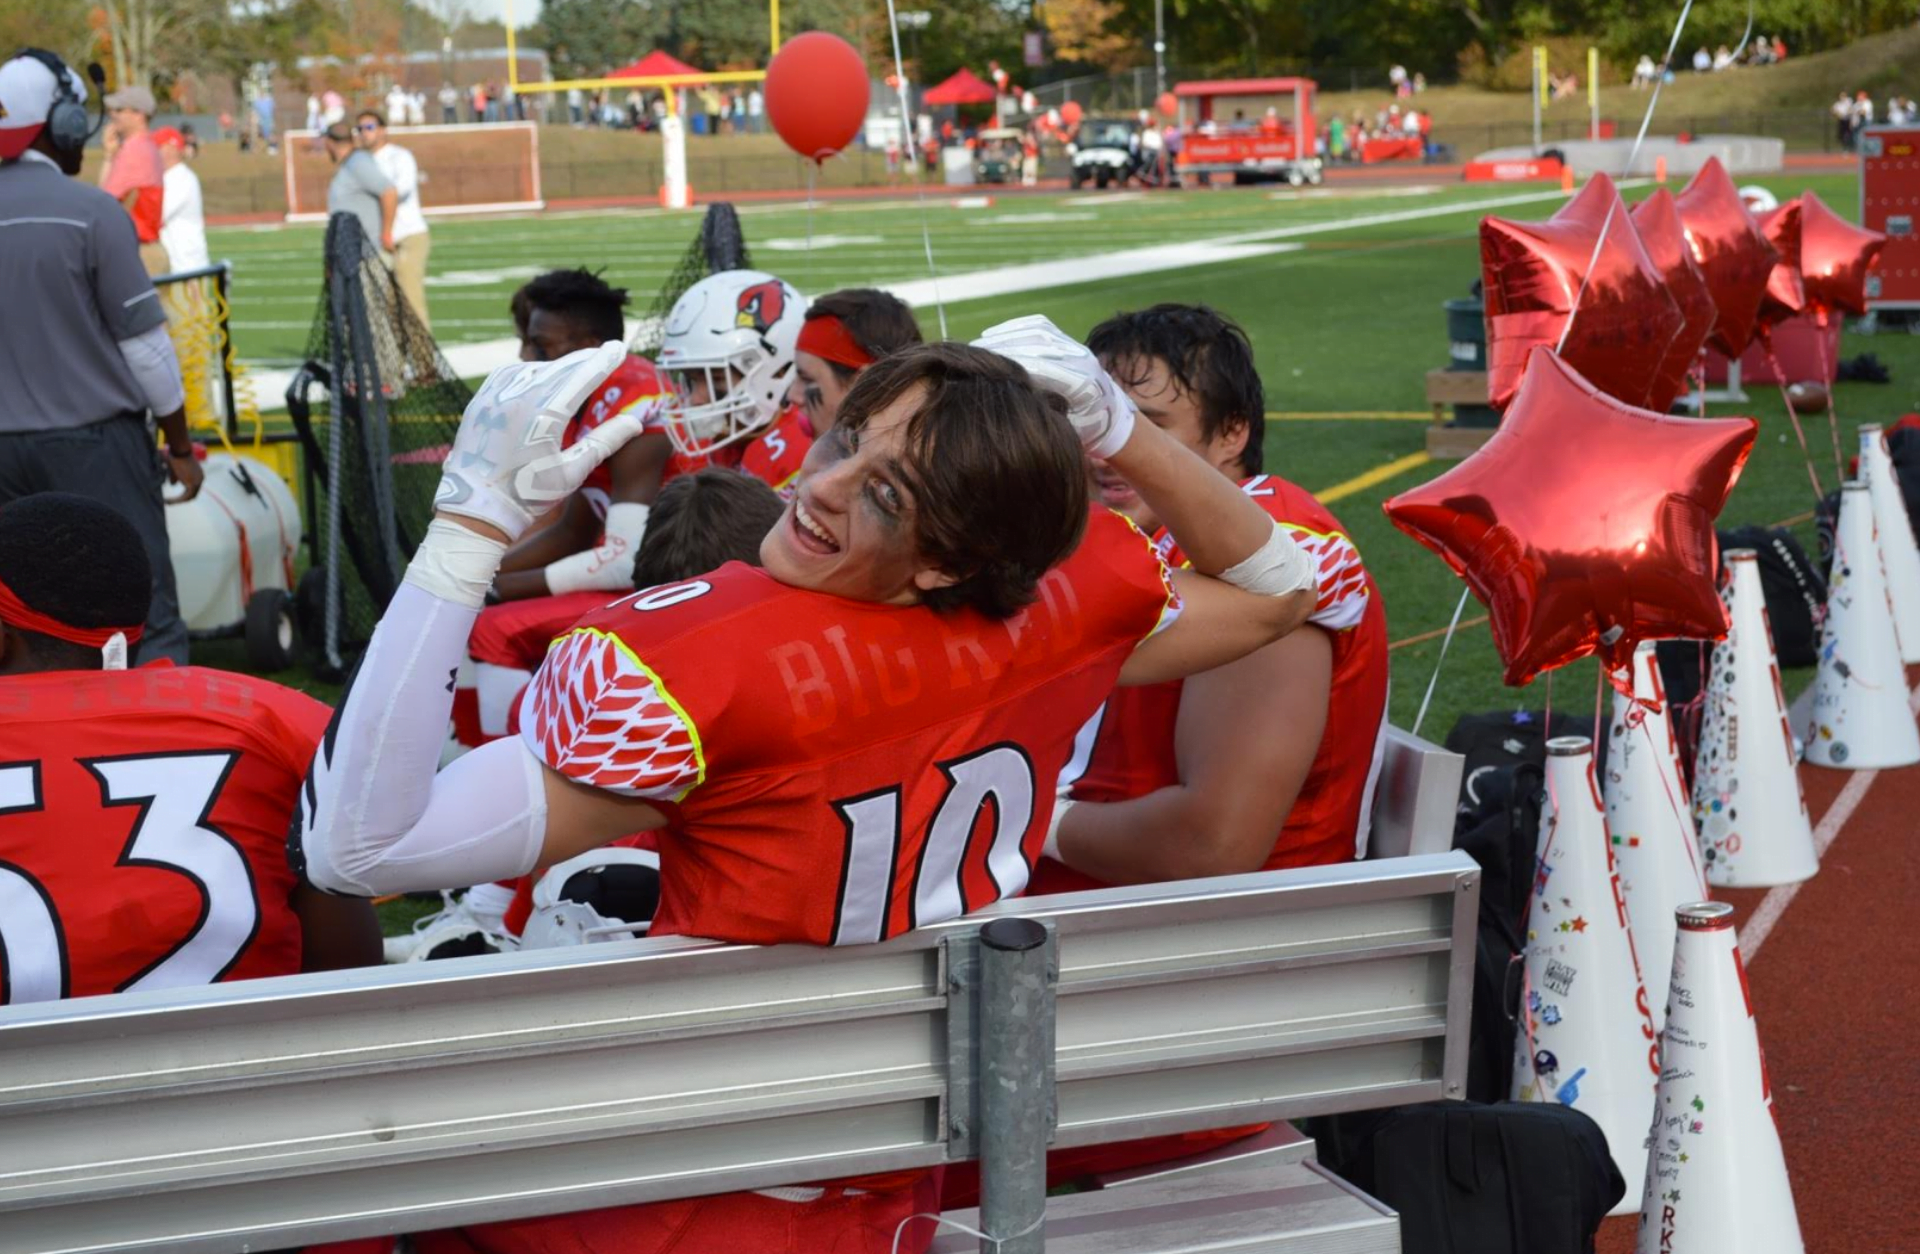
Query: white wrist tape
607, 567
455, 564
1275, 569
1052, 848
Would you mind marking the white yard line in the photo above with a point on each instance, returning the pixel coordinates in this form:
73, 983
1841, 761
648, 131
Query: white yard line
1760, 924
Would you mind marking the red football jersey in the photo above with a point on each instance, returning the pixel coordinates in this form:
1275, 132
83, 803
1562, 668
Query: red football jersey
1133, 736
834, 771
143, 829
774, 458
635, 384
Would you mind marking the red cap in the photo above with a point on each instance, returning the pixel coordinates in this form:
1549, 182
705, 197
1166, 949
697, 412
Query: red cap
168, 135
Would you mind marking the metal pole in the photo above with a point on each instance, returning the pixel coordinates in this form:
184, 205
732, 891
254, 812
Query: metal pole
1016, 1084
1593, 93
1539, 86
1159, 48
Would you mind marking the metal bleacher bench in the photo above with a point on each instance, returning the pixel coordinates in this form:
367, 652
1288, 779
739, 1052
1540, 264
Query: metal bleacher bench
274, 1113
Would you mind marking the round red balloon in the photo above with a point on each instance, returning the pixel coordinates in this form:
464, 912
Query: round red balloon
1533, 274
1835, 256
1734, 257
1168, 105
1070, 113
1584, 525
817, 94
1658, 222
1785, 295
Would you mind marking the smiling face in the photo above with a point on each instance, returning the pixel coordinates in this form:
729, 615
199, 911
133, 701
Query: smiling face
1163, 402
850, 529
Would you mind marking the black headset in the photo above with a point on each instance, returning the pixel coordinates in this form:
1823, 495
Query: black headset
67, 128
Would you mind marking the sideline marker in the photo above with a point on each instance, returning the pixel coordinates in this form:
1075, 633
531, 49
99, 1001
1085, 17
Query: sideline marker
1716, 1178
1586, 1030
1754, 830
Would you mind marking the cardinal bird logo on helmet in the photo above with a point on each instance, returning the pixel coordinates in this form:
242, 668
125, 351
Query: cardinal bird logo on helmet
761, 306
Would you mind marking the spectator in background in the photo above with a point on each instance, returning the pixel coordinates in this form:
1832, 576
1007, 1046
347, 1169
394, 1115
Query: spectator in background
1643, 73
1842, 111
133, 174
1702, 60
710, 105
1862, 113
449, 104
1779, 49
477, 102
1419, 82
313, 112
183, 223
756, 110
417, 109
1337, 138
1722, 58
263, 120
396, 105
359, 188
1397, 77
576, 105
410, 242
84, 352
333, 108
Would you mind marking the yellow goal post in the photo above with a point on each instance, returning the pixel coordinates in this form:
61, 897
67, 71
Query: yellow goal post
666, 81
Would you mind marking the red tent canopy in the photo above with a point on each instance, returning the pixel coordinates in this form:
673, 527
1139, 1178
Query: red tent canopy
965, 87
656, 64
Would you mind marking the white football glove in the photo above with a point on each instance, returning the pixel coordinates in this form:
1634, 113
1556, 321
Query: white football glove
1101, 414
507, 466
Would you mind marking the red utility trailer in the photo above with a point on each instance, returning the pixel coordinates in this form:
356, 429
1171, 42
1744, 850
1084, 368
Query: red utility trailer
1890, 203
1225, 128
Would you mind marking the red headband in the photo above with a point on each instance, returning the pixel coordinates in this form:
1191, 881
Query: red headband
827, 338
15, 613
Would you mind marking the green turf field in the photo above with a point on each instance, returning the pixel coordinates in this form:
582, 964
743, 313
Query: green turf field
1348, 322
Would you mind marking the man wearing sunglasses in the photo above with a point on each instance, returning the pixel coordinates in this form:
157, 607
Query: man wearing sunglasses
409, 224
360, 189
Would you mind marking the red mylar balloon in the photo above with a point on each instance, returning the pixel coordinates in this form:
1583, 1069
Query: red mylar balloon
1532, 273
1835, 256
1070, 113
1785, 296
1168, 104
817, 94
1666, 242
1734, 257
1584, 525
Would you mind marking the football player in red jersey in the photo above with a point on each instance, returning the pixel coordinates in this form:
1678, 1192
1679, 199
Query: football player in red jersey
845, 332
859, 739
1261, 764
143, 813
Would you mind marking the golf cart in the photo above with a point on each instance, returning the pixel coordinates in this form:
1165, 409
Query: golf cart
1107, 150
1254, 129
996, 159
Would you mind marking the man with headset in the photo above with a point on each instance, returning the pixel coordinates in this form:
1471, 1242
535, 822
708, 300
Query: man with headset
84, 353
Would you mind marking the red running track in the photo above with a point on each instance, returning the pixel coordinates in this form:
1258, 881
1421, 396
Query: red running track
1836, 993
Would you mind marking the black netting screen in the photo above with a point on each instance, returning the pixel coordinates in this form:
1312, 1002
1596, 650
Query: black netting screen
719, 246
376, 430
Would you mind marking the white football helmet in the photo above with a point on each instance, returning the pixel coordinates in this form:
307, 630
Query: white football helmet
731, 335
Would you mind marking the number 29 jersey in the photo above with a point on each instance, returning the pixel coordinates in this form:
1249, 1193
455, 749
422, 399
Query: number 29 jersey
143, 822
835, 771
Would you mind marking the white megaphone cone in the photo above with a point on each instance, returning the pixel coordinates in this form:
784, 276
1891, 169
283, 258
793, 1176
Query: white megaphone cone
1898, 553
1753, 822
1860, 717
1716, 1180
1650, 821
1587, 1038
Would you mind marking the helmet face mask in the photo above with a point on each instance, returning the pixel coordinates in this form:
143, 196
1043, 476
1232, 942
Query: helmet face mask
728, 349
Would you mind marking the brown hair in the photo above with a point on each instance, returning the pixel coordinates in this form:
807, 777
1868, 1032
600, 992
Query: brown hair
998, 479
702, 521
879, 322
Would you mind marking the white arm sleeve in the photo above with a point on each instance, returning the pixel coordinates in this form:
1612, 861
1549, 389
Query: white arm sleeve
156, 369
373, 816
607, 567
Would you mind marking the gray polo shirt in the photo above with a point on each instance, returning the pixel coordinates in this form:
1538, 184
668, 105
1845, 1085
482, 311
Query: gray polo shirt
356, 189
71, 287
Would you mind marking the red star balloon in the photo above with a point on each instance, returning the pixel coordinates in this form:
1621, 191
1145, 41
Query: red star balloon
1532, 274
1584, 525
1835, 256
1658, 222
1785, 296
1734, 257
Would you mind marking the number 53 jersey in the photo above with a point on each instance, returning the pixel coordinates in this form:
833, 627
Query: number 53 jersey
143, 821
834, 771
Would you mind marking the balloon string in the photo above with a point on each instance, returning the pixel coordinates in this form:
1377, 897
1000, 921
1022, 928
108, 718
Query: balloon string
1779, 375
908, 151
1700, 376
1633, 154
1445, 641
941, 1221
1683, 814
1827, 380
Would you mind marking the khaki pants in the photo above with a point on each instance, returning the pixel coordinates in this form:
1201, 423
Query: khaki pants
409, 259
155, 259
